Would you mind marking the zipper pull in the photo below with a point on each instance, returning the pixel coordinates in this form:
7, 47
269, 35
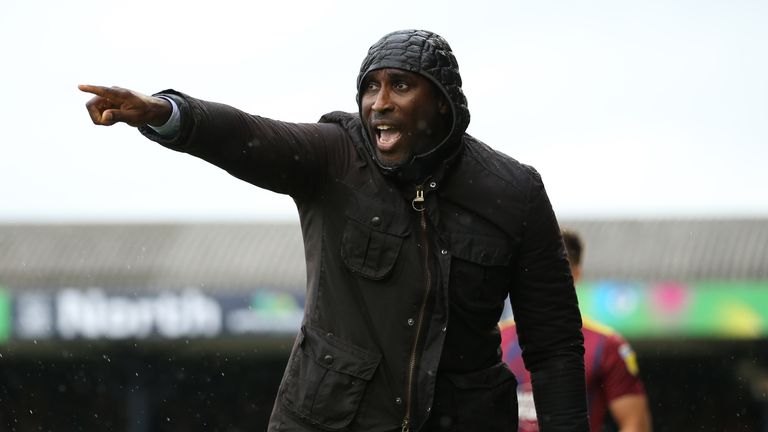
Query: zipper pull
418, 202
406, 426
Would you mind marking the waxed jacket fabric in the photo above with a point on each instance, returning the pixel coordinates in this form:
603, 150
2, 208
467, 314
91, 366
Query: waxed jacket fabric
400, 322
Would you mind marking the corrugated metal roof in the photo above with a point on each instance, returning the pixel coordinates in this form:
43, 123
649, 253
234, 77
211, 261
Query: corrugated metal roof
674, 250
152, 257
243, 257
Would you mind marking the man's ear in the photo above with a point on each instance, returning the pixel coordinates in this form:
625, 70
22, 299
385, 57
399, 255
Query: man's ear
443, 107
576, 272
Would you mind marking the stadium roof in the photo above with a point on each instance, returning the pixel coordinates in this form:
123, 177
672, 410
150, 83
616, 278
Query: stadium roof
146, 257
244, 257
674, 250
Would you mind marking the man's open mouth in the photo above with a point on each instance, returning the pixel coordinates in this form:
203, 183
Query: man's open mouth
386, 137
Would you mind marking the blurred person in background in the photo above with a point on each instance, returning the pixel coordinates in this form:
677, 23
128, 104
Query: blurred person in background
613, 384
407, 221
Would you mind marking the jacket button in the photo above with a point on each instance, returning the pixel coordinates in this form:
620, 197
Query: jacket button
433, 185
411, 321
328, 359
398, 401
375, 221
444, 252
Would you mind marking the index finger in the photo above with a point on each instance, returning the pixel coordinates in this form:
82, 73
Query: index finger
97, 90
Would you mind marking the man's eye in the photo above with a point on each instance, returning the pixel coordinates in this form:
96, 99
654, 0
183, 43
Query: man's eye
371, 86
401, 86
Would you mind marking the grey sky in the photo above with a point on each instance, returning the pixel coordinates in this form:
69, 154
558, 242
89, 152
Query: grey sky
632, 109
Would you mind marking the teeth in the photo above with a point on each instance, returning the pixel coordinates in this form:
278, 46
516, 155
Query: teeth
383, 127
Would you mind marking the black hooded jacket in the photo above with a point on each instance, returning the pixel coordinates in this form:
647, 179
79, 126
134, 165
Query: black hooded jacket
403, 297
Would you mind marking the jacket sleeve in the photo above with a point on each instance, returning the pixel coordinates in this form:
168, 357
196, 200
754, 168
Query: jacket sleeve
548, 321
289, 158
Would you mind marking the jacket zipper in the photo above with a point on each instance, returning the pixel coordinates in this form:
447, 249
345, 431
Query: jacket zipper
418, 205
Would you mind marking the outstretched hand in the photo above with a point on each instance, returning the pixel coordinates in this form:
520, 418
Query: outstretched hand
114, 104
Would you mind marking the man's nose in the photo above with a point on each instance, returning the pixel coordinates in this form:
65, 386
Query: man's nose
383, 101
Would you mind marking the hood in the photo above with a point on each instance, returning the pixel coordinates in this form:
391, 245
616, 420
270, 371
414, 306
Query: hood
429, 55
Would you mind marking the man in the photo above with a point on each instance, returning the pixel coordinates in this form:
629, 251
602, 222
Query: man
415, 234
613, 384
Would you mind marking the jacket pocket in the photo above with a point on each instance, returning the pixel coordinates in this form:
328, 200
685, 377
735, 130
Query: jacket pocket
327, 378
372, 240
481, 276
485, 400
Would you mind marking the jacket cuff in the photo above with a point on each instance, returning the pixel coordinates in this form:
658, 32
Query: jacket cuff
178, 141
560, 396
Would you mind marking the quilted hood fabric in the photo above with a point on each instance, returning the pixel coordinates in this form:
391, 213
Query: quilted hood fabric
429, 55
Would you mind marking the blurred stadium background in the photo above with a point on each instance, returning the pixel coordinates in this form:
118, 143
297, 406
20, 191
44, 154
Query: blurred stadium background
171, 327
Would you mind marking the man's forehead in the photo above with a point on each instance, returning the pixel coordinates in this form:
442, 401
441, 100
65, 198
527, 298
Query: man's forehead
392, 73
